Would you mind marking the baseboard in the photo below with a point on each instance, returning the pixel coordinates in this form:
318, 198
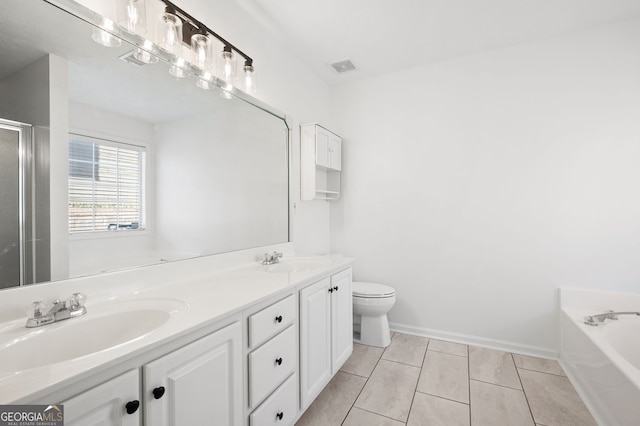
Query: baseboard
477, 341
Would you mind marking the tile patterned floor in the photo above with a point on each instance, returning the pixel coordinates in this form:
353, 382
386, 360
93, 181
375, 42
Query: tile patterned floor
418, 381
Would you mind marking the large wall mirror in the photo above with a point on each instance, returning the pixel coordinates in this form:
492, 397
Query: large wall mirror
113, 164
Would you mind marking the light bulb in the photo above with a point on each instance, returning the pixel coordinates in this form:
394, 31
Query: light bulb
228, 65
249, 78
103, 34
132, 14
171, 30
201, 46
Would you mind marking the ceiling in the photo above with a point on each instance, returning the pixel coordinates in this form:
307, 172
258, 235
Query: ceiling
381, 36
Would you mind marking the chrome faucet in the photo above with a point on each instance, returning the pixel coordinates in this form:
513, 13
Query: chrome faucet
270, 259
44, 313
595, 320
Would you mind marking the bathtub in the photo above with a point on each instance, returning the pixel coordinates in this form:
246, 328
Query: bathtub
603, 362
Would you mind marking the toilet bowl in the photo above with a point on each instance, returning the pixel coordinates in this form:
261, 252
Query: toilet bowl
371, 302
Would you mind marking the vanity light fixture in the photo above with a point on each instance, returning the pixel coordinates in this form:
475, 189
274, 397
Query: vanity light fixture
177, 28
197, 35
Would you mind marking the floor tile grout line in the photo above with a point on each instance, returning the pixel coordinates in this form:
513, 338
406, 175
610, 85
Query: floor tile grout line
523, 390
495, 384
415, 390
542, 372
402, 363
381, 415
363, 386
442, 397
448, 353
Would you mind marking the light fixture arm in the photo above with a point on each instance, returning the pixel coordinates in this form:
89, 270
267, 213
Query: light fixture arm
193, 26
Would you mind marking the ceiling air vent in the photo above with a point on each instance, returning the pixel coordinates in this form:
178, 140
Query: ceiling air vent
343, 66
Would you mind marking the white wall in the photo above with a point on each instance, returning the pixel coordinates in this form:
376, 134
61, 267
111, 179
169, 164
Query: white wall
478, 186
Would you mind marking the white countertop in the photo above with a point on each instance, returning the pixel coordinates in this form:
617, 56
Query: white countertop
207, 295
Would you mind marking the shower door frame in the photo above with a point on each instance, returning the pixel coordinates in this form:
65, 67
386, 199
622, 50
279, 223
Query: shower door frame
26, 201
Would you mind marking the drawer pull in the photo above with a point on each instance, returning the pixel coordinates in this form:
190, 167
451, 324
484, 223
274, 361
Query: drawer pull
158, 392
279, 361
132, 406
280, 415
279, 318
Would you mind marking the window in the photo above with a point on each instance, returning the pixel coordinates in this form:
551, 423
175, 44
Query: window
106, 185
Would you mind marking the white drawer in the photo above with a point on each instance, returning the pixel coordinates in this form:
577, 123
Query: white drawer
280, 408
271, 320
270, 364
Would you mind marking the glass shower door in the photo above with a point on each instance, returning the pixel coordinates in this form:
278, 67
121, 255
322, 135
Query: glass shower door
15, 259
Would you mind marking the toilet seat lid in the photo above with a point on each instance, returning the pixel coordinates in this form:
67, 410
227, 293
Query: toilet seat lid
361, 289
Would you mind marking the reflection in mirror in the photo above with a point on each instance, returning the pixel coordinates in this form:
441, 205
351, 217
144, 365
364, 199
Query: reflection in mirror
159, 169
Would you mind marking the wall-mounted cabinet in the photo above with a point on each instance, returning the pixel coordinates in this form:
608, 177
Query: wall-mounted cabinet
320, 163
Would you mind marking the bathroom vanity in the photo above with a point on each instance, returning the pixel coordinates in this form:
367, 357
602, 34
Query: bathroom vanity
242, 344
217, 338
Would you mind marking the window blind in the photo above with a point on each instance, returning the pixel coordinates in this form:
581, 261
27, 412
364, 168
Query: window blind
106, 186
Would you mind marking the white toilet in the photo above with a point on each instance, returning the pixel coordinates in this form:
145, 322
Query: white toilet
371, 302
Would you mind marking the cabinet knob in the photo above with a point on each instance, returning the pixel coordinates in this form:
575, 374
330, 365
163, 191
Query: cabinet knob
335, 288
279, 361
279, 318
132, 406
280, 415
158, 392
330, 289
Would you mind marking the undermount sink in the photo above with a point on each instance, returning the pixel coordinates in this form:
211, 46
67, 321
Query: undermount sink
103, 327
297, 264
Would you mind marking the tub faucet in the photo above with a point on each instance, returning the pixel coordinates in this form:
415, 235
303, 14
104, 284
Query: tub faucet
270, 259
595, 320
44, 314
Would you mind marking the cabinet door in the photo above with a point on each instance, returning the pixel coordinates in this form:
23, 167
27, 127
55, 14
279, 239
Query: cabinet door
335, 152
106, 404
323, 158
202, 383
341, 319
315, 340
